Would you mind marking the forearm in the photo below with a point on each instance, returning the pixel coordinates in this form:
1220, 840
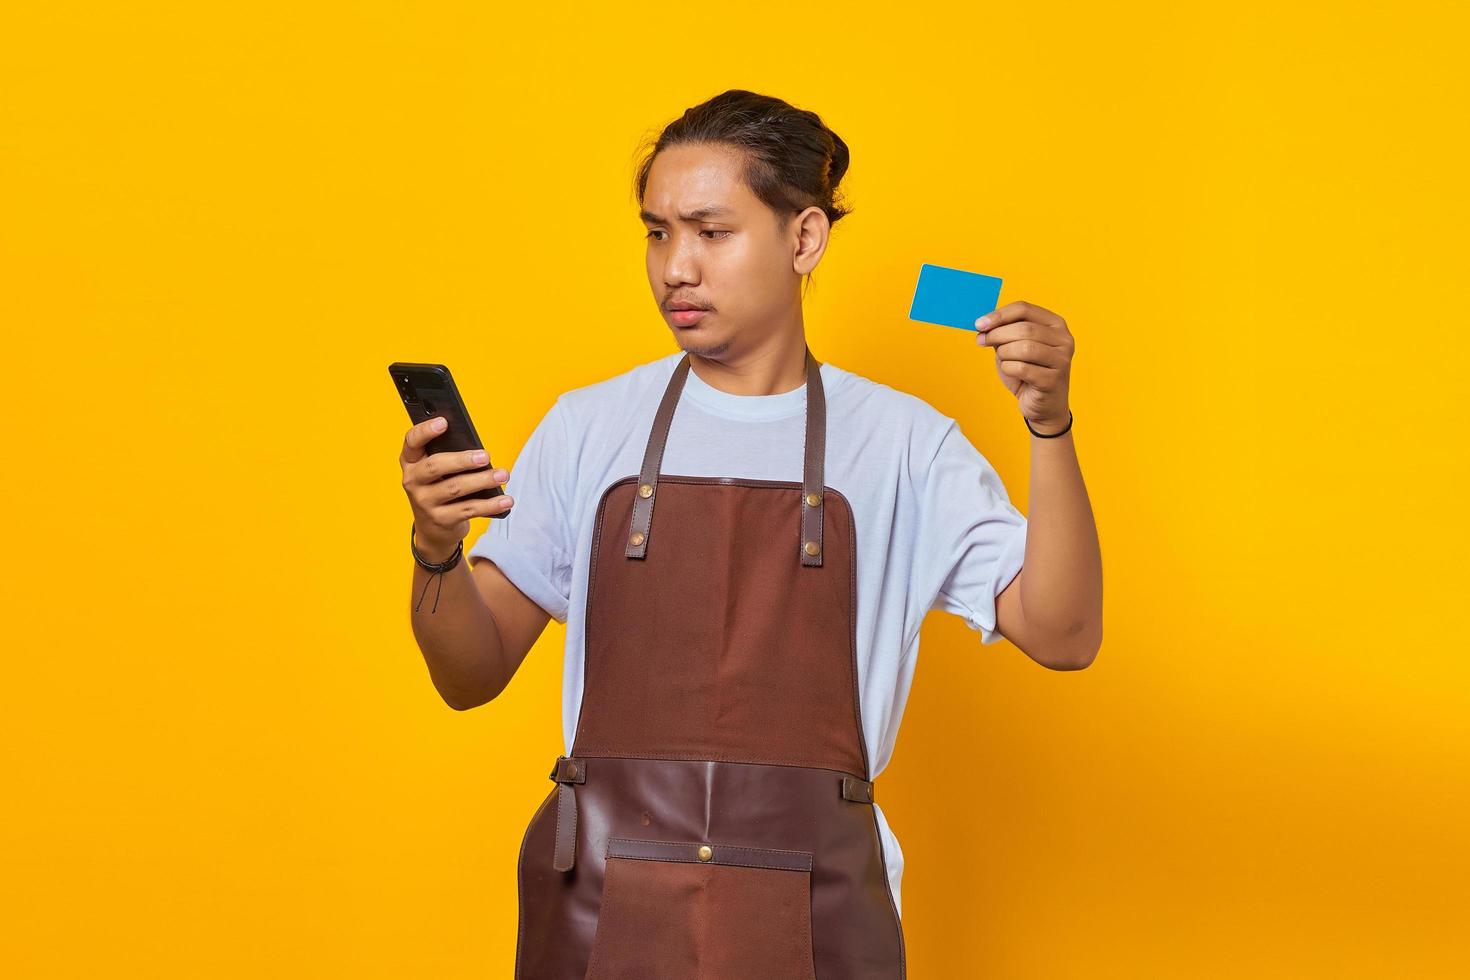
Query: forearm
459, 638
1061, 592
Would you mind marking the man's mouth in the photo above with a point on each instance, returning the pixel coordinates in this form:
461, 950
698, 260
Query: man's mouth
685, 312
687, 318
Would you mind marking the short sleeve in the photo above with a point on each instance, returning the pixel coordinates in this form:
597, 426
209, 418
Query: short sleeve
533, 544
971, 538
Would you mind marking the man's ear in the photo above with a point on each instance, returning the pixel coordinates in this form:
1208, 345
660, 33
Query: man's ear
809, 239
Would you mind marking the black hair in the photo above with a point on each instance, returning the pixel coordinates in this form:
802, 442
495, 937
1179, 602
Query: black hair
792, 160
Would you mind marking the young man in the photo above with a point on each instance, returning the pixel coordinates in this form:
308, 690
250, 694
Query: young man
743, 543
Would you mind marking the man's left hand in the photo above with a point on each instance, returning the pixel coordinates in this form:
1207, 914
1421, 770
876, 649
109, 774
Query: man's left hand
1033, 356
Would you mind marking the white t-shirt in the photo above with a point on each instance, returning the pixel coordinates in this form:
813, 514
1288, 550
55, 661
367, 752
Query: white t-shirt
935, 528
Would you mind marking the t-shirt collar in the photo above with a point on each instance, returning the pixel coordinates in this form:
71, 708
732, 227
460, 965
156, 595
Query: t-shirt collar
752, 407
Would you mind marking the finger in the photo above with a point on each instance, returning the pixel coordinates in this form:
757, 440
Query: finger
447, 515
1020, 330
487, 508
1031, 352
419, 435
437, 466
1019, 310
1039, 377
460, 484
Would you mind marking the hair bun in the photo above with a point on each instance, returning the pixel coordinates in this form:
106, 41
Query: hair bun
837, 164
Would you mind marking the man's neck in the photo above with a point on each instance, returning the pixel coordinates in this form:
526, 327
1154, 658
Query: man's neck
770, 371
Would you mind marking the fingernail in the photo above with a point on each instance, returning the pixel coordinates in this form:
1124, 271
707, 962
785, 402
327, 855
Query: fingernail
507, 500
501, 475
481, 458
439, 424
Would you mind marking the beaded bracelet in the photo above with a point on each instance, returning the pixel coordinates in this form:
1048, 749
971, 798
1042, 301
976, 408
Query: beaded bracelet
434, 568
1041, 435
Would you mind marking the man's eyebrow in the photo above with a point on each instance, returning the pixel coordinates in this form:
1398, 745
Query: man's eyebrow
698, 214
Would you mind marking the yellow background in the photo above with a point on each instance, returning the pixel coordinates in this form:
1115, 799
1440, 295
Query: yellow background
222, 753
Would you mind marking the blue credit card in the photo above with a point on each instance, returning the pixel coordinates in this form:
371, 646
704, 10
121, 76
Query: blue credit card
953, 297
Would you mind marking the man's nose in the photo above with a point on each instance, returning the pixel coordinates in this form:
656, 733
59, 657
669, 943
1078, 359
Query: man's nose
680, 266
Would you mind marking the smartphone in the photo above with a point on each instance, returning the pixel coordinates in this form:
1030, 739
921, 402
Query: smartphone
428, 390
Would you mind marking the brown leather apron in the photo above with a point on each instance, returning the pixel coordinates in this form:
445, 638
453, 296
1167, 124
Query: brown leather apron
715, 818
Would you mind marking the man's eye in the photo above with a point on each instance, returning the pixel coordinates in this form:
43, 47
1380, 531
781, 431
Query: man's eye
712, 231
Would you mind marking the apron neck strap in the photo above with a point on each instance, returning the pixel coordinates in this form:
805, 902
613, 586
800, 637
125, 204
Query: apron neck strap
809, 547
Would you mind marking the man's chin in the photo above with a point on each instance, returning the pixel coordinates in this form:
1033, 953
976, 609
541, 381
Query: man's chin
690, 340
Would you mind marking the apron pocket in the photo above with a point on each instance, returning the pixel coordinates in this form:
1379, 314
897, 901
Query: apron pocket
674, 910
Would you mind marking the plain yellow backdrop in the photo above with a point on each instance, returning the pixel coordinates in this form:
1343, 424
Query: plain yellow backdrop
218, 224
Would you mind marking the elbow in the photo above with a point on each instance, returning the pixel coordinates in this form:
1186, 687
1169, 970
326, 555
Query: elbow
1072, 661
464, 701
1077, 652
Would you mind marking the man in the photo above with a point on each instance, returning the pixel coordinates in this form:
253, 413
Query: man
743, 585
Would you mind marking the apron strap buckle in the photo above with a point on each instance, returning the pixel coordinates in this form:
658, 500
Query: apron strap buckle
857, 790
566, 772
569, 770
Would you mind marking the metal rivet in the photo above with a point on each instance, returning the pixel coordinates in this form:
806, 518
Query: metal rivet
812, 499
812, 548
637, 537
645, 491
705, 852
572, 770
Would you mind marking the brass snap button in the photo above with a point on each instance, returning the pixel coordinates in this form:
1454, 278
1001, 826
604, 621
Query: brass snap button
572, 770
812, 499
637, 537
645, 491
705, 851
812, 548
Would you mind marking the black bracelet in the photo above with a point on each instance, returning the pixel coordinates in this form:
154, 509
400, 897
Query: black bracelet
1040, 435
434, 568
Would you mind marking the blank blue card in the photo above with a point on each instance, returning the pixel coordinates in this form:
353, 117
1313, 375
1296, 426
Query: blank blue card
953, 297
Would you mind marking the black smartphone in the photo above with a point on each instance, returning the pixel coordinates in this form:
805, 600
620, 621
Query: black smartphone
428, 390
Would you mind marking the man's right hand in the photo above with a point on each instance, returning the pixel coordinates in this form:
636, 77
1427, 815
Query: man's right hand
433, 481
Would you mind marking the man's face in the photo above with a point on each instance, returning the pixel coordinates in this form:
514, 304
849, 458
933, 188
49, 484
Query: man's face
713, 243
